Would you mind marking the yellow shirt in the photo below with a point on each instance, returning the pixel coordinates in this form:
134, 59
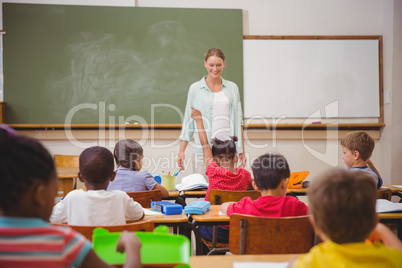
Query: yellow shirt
330, 254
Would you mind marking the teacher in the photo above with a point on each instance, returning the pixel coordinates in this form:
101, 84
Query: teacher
219, 102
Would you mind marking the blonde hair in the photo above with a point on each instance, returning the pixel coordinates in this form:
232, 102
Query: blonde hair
342, 203
361, 142
214, 52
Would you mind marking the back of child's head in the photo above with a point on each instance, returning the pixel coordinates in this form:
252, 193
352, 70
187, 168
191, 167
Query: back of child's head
224, 148
269, 170
342, 203
23, 162
126, 152
361, 142
96, 165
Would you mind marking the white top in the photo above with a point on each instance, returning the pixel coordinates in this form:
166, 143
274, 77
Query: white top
99, 207
220, 116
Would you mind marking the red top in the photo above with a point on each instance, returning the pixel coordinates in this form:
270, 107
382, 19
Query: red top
223, 179
269, 206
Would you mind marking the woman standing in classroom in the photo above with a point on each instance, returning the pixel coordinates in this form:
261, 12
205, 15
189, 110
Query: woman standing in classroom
219, 102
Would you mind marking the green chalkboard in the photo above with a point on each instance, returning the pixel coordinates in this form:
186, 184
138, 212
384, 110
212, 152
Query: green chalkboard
111, 65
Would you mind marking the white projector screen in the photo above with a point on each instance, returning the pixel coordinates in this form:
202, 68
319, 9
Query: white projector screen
299, 78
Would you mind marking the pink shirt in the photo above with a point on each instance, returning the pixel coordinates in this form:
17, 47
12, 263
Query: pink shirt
269, 206
223, 179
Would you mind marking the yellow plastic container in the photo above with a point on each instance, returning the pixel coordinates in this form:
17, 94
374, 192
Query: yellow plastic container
169, 182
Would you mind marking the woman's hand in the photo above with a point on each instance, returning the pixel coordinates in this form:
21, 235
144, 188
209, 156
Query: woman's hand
180, 160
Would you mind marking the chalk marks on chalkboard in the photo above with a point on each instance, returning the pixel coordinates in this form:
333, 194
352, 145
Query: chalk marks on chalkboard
104, 67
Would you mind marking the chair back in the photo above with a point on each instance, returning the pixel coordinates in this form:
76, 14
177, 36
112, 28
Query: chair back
262, 235
66, 185
217, 197
384, 193
87, 231
146, 197
66, 160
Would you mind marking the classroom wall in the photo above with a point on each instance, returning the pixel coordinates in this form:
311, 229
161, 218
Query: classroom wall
311, 150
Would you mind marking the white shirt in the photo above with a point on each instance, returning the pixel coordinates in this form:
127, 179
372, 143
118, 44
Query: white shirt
220, 116
98, 207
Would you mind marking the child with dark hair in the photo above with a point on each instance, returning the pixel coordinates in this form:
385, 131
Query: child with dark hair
221, 171
342, 208
271, 175
128, 155
357, 148
29, 186
96, 206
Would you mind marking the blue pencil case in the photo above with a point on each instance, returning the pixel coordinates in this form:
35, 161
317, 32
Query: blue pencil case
166, 207
197, 207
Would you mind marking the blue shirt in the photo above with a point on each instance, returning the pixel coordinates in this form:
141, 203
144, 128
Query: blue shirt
129, 180
201, 98
371, 173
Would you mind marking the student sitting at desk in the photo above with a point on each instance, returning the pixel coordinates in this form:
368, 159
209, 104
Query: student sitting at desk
271, 175
29, 187
221, 171
357, 148
128, 155
96, 206
342, 211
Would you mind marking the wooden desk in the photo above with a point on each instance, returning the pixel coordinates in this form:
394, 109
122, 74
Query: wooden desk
179, 221
192, 194
67, 177
167, 219
392, 217
301, 191
228, 260
395, 191
210, 218
175, 195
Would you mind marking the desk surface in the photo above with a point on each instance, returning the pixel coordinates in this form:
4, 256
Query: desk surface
174, 193
211, 216
162, 218
393, 188
227, 261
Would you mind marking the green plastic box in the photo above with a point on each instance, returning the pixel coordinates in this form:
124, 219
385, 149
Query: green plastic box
157, 247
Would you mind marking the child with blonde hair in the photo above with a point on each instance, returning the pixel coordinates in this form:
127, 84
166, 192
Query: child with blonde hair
357, 148
342, 208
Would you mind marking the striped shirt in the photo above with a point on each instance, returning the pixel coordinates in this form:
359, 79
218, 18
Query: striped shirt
32, 242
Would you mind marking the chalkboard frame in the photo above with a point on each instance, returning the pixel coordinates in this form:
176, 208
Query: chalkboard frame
319, 125
225, 26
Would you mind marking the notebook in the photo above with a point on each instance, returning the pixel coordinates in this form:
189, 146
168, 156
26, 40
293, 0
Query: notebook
384, 205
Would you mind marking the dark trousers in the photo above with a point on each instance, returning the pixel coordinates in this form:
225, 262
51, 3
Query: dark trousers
207, 231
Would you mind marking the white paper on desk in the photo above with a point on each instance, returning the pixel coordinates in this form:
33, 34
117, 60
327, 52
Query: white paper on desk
220, 213
151, 212
384, 205
397, 186
260, 264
